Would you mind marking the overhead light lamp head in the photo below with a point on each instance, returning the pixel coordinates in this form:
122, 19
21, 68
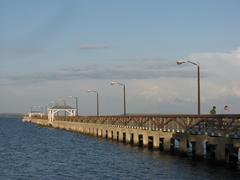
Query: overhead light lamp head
180, 62
92, 91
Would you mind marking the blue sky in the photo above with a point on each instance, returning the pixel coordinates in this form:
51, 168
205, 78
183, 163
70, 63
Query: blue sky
60, 47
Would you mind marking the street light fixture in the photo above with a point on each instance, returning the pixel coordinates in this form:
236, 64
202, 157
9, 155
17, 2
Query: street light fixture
124, 94
182, 62
76, 103
198, 67
95, 91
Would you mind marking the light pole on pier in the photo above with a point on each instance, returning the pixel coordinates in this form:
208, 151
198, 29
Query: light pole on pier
95, 91
76, 103
198, 73
124, 95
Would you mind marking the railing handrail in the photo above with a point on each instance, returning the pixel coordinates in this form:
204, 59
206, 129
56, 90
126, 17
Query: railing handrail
168, 115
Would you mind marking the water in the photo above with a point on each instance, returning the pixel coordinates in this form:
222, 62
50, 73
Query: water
30, 152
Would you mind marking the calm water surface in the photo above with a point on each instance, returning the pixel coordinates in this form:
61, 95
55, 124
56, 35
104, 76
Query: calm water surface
30, 152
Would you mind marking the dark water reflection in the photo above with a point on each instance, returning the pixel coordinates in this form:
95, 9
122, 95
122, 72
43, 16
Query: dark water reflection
30, 152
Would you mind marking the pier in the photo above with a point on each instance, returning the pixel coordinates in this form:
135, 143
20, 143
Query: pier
202, 136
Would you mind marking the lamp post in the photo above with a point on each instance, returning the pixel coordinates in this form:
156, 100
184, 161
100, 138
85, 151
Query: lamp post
124, 95
76, 103
198, 73
95, 91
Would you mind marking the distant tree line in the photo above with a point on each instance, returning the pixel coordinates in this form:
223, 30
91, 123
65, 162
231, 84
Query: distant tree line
11, 115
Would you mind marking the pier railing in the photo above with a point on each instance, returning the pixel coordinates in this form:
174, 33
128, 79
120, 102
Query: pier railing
44, 117
214, 125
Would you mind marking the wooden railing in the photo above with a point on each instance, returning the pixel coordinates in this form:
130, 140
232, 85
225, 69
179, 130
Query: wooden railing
214, 125
36, 117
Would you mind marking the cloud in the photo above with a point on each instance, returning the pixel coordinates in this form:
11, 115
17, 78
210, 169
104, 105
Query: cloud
236, 53
93, 46
218, 59
216, 69
162, 91
144, 70
19, 51
159, 83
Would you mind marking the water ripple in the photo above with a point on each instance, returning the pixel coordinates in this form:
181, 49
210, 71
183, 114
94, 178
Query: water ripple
30, 152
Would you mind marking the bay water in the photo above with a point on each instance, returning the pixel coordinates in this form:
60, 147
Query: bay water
28, 151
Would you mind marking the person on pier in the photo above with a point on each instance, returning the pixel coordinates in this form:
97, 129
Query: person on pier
226, 109
213, 110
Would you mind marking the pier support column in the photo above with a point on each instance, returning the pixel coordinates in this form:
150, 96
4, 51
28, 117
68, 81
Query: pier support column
183, 146
103, 132
167, 143
156, 141
128, 137
135, 138
220, 152
145, 139
115, 134
109, 133
121, 135
200, 149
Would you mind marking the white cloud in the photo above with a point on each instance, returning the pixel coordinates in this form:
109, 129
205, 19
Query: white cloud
220, 86
164, 91
150, 85
236, 53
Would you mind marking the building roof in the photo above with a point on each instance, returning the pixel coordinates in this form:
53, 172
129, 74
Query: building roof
61, 107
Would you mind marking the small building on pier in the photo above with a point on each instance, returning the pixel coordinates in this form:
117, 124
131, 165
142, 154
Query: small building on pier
67, 110
35, 113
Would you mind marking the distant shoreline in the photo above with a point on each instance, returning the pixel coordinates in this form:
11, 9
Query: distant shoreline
11, 115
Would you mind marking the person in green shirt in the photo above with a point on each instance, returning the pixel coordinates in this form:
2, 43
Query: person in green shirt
213, 110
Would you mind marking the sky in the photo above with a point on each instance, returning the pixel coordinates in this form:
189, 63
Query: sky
50, 50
